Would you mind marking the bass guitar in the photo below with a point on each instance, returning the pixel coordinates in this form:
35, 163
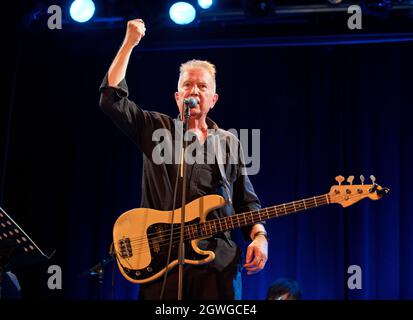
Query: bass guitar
141, 237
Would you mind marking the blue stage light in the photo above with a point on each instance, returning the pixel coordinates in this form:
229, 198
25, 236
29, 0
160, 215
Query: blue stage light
182, 13
82, 10
205, 4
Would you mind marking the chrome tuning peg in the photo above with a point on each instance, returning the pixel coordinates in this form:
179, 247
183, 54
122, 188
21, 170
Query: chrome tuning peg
340, 179
350, 179
362, 179
373, 179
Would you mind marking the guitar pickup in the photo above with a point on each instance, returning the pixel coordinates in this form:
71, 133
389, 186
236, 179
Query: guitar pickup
125, 248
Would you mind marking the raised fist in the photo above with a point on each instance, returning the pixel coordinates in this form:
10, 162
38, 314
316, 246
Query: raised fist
135, 31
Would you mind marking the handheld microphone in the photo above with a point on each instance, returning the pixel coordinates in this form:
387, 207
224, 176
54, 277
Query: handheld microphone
190, 102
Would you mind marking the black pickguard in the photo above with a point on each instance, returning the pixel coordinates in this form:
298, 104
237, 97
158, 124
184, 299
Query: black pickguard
158, 236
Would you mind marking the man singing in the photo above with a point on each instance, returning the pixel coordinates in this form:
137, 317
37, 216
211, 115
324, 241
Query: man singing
221, 278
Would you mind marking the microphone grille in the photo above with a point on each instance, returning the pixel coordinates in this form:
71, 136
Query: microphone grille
190, 102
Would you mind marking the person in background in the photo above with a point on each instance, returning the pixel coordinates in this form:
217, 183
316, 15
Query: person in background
284, 289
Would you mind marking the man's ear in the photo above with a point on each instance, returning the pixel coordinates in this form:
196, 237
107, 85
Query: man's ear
176, 97
214, 100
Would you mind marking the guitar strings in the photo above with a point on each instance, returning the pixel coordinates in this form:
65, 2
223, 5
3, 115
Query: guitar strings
139, 241
242, 216
254, 214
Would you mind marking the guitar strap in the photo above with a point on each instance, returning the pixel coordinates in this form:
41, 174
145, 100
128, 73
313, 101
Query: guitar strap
220, 157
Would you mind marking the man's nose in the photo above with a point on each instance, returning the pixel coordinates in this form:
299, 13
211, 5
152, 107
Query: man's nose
195, 90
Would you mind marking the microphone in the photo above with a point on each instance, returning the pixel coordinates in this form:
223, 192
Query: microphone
190, 102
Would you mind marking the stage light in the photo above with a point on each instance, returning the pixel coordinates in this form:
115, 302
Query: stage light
82, 10
205, 4
182, 13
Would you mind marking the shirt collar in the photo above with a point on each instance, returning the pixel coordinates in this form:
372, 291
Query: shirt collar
210, 123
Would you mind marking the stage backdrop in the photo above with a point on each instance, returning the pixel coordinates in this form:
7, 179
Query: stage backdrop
322, 111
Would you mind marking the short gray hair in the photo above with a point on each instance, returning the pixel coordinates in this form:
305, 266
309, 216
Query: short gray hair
198, 64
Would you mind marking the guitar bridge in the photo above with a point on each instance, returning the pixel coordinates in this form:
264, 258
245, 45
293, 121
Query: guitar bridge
125, 248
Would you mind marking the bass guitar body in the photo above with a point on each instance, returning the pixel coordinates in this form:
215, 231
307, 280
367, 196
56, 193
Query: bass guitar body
142, 237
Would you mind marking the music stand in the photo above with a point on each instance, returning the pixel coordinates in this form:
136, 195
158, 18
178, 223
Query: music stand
16, 246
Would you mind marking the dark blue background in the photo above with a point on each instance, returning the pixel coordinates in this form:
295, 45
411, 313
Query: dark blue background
324, 109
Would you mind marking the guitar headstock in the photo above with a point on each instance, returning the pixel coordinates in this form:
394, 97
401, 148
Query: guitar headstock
349, 194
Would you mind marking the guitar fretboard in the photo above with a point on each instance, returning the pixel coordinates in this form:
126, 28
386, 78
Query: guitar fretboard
215, 226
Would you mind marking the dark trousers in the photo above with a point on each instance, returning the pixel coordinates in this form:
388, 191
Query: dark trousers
199, 283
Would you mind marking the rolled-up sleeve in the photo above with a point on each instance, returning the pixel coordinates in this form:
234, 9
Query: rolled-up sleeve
136, 123
124, 113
